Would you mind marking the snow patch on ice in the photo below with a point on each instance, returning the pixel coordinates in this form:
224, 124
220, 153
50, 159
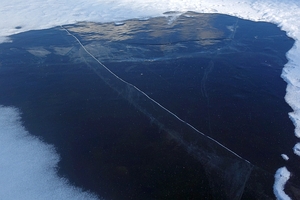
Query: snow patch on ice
297, 149
281, 177
284, 156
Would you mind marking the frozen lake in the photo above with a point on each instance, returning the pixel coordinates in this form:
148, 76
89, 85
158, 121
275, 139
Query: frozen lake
182, 106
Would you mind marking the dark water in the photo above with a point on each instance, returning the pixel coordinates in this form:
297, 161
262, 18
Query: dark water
218, 73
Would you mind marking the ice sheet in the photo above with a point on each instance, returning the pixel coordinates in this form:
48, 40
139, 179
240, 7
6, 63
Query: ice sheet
19, 16
36, 14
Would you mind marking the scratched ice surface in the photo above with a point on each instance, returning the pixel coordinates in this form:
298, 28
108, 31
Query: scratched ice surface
186, 106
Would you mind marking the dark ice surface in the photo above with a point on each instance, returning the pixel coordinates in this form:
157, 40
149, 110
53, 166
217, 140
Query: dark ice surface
219, 75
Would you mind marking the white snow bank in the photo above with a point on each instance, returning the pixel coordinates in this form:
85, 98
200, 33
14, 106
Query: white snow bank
28, 166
